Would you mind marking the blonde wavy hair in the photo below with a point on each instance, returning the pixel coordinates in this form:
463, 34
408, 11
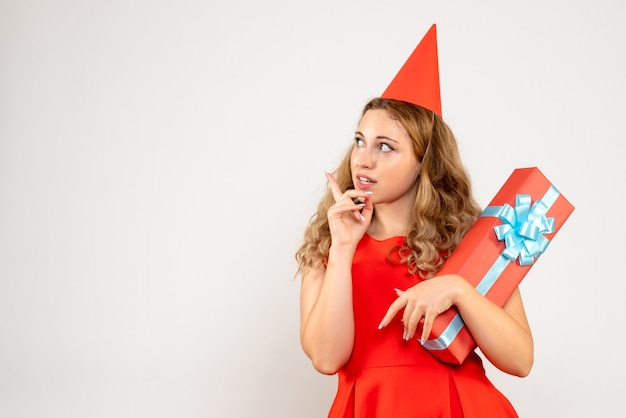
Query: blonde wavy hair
444, 206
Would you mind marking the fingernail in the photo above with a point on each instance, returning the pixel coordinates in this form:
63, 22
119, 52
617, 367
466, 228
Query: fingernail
369, 192
362, 217
421, 341
398, 291
381, 325
406, 336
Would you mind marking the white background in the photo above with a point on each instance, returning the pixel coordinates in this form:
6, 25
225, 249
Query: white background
160, 159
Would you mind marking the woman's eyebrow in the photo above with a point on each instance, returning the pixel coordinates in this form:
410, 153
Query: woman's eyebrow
378, 137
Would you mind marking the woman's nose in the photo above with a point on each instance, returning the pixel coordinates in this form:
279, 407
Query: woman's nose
365, 159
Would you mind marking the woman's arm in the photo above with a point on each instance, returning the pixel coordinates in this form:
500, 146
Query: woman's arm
503, 334
326, 315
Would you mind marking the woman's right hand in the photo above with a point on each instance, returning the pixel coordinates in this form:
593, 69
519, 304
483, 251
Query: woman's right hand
347, 220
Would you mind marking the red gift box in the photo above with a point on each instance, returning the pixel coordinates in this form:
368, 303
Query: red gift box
498, 250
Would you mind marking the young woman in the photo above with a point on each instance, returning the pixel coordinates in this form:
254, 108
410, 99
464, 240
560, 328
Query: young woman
396, 208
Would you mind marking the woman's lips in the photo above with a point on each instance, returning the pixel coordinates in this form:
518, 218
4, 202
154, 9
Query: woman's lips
364, 182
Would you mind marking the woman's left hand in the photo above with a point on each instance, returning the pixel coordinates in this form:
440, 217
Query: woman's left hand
426, 299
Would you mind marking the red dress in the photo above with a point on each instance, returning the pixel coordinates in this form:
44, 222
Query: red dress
387, 377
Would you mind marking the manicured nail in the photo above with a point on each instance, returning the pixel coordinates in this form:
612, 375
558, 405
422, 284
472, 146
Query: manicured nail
398, 291
369, 192
381, 325
361, 217
405, 336
421, 341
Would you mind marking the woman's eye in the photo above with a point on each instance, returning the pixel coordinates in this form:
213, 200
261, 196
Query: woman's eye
359, 142
385, 147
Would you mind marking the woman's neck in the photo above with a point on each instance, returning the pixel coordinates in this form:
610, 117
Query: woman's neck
389, 222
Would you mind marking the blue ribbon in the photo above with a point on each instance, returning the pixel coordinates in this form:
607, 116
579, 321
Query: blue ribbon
523, 234
523, 228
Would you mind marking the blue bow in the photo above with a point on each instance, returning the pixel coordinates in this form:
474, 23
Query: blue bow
523, 228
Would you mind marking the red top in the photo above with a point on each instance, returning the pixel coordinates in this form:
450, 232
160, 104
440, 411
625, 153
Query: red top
388, 377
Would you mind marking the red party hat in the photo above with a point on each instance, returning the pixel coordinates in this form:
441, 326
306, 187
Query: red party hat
417, 81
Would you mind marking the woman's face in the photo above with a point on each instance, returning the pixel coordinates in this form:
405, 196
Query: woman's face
383, 160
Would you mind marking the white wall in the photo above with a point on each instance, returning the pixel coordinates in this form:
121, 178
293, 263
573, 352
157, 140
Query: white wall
160, 159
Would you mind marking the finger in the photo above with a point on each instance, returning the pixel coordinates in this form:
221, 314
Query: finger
394, 308
427, 328
406, 315
363, 196
357, 212
358, 216
343, 207
411, 324
368, 208
349, 202
355, 196
369, 205
353, 204
412, 314
334, 186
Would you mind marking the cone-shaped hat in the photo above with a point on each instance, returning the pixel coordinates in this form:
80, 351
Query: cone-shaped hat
417, 81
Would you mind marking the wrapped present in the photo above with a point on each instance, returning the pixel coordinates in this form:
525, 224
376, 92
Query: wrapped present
498, 250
